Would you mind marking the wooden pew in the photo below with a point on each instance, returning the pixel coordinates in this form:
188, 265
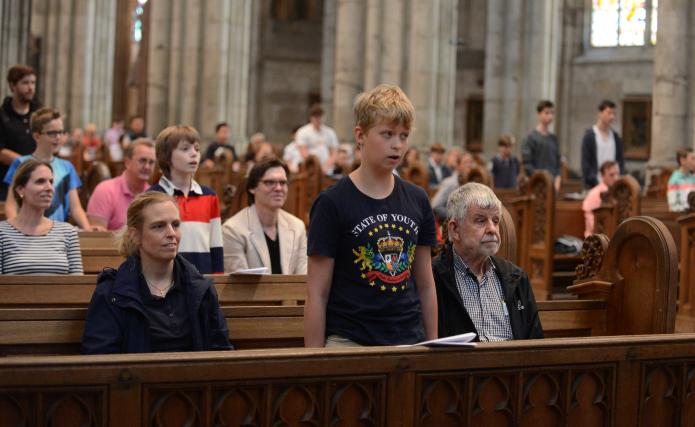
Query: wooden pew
621, 381
46, 313
685, 320
637, 275
99, 250
539, 219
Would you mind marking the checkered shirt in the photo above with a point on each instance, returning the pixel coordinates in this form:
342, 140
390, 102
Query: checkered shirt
484, 301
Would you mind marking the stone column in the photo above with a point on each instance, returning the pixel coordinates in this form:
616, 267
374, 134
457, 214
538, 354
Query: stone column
670, 92
328, 57
349, 64
199, 62
15, 16
77, 40
494, 74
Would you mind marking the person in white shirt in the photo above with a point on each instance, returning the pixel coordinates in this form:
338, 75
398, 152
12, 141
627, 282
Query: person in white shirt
320, 139
601, 144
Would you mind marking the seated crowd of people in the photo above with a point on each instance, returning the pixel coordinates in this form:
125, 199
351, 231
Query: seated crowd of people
367, 251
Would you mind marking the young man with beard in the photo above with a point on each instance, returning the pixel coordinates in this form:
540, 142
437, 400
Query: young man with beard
15, 136
477, 291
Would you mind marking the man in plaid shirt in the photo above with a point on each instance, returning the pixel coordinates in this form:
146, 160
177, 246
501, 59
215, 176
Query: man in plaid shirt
477, 291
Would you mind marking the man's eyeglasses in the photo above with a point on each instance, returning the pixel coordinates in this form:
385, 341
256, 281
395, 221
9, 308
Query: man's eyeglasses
271, 183
54, 133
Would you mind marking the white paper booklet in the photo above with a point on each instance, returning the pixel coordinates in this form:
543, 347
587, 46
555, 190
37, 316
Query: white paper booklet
259, 270
463, 340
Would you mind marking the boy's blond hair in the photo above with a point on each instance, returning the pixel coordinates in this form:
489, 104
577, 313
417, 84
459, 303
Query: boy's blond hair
384, 103
168, 140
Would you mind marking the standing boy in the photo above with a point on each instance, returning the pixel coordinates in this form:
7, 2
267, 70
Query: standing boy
540, 149
601, 144
178, 155
48, 131
370, 235
505, 166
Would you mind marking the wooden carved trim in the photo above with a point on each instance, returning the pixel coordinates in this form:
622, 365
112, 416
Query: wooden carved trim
593, 250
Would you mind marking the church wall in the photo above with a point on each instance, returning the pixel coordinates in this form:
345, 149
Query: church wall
594, 80
289, 67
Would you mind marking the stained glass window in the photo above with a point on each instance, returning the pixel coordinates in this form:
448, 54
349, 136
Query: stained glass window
137, 20
623, 22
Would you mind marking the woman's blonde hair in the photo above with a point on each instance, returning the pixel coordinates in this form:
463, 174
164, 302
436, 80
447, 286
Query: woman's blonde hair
127, 246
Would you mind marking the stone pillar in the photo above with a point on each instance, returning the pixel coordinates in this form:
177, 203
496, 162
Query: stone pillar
199, 62
77, 40
15, 16
328, 57
408, 43
349, 64
521, 63
494, 74
432, 70
670, 92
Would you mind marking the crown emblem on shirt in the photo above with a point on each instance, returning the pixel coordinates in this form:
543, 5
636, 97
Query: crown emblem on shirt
390, 244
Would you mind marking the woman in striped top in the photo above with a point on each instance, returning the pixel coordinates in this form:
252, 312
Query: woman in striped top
30, 243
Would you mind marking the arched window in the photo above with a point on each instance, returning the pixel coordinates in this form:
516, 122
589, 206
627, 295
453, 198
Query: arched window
137, 20
617, 23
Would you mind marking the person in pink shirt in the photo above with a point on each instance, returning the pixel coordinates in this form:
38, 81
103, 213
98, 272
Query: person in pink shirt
109, 202
610, 172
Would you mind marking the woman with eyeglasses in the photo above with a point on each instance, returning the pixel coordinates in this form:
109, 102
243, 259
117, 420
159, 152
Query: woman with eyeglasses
264, 235
48, 132
30, 243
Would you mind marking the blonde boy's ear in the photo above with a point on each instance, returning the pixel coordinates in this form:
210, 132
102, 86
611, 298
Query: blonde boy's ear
359, 135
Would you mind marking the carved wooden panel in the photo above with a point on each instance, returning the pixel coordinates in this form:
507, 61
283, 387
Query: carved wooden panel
542, 401
64, 407
556, 396
443, 402
175, 406
493, 399
238, 406
350, 402
539, 211
593, 250
661, 384
590, 397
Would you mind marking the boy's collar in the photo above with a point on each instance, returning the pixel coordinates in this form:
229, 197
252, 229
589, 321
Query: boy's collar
169, 186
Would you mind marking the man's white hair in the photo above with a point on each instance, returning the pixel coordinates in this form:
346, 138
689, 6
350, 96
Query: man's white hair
471, 194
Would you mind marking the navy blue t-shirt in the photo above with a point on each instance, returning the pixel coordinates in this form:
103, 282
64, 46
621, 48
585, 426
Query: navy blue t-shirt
373, 300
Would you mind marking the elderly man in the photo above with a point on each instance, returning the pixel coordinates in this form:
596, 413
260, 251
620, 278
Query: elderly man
477, 291
264, 235
110, 200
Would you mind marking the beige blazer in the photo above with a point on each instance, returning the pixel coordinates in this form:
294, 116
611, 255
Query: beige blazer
245, 246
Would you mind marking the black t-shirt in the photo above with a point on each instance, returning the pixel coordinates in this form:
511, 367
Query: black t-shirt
373, 300
15, 135
274, 251
168, 320
213, 148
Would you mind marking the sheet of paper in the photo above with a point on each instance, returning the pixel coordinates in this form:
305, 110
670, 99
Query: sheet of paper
462, 340
259, 270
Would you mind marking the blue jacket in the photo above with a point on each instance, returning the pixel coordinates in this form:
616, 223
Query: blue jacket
590, 165
116, 321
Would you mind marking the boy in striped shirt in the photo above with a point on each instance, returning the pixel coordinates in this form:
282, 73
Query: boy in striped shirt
178, 156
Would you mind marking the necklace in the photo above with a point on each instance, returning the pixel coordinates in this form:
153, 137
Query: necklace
156, 291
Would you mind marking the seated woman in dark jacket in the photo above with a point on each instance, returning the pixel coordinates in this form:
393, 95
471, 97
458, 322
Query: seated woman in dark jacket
156, 301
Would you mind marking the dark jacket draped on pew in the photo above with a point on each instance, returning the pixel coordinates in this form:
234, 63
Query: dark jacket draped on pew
518, 296
117, 323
